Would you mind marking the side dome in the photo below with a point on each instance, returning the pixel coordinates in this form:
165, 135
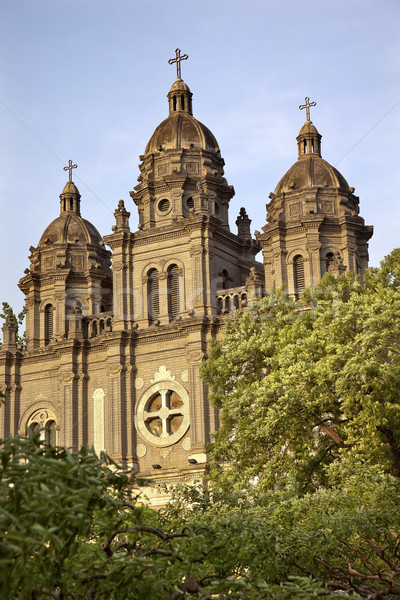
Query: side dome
309, 172
70, 229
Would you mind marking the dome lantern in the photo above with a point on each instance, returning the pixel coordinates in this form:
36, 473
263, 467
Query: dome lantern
308, 140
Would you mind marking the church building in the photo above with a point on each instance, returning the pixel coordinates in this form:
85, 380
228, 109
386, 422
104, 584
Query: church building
114, 350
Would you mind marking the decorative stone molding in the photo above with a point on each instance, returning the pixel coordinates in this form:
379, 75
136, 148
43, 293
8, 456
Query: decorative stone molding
195, 356
185, 376
66, 378
139, 383
187, 444
163, 375
141, 450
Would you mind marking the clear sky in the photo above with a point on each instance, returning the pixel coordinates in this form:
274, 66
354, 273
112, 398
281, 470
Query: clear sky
87, 80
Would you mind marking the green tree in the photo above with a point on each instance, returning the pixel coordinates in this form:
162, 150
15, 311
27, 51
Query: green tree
71, 528
306, 387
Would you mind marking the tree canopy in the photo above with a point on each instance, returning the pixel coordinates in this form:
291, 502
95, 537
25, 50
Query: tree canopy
309, 391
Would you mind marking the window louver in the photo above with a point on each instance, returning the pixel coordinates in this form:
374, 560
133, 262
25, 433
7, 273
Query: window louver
298, 275
173, 292
153, 298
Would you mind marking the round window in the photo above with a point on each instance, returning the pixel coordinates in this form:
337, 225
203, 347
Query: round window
163, 415
163, 205
190, 202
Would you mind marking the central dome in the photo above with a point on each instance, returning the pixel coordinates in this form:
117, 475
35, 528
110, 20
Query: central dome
180, 130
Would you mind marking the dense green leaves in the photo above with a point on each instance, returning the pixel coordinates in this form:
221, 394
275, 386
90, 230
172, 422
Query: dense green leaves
302, 387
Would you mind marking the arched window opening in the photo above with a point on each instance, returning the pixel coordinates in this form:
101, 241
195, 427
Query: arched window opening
43, 421
298, 275
183, 102
50, 433
71, 203
173, 292
34, 427
216, 208
94, 329
174, 102
219, 305
153, 298
236, 302
328, 260
305, 146
64, 205
225, 278
48, 324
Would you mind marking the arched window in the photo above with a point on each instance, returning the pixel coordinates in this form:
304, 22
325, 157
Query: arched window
225, 278
298, 275
44, 422
328, 260
173, 292
153, 299
50, 433
48, 324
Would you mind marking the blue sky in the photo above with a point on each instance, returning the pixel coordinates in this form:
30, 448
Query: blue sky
88, 79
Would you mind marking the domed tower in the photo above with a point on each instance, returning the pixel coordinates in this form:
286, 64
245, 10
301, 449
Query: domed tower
181, 171
313, 222
69, 274
183, 251
170, 279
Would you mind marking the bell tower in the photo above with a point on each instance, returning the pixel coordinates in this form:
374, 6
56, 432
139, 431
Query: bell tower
313, 222
69, 275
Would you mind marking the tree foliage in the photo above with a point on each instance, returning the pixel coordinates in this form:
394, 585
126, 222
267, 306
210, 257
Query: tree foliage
72, 528
308, 390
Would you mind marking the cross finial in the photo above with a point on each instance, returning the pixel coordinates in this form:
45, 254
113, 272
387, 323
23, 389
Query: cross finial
69, 168
178, 58
307, 107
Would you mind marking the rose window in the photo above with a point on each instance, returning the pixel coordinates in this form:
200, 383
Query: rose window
163, 416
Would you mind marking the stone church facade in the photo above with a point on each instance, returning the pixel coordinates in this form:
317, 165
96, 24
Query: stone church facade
114, 353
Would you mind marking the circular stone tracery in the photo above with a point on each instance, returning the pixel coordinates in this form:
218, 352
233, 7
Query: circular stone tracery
163, 413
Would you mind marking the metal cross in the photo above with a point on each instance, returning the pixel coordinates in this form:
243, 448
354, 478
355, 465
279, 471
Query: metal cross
307, 106
178, 60
69, 168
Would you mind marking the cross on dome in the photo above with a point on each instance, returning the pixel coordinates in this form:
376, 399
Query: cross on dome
178, 58
69, 168
307, 107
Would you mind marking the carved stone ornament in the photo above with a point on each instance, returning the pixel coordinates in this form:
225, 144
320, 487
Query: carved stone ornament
139, 383
141, 450
195, 356
165, 452
187, 444
163, 375
115, 370
185, 376
65, 378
